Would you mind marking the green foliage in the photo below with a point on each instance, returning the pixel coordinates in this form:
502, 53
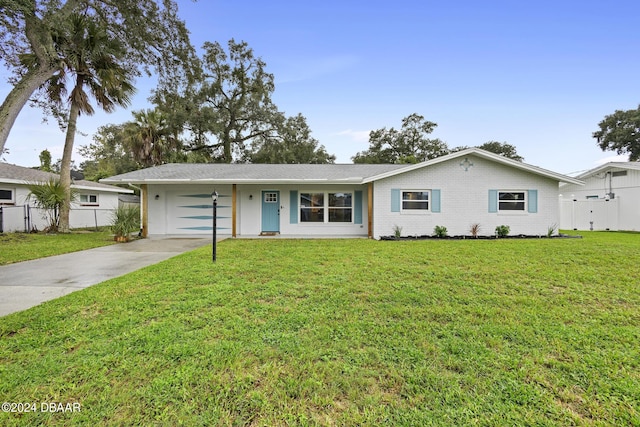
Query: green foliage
45, 161
150, 31
551, 229
397, 231
149, 138
125, 220
49, 196
503, 149
474, 229
107, 155
620, 132
440, 231
292, 144
343, 332
502, 230
18, 247
408, 145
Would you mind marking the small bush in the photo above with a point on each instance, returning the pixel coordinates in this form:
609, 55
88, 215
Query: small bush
551, 229
502, 230
397, 231
475, 229
440, 231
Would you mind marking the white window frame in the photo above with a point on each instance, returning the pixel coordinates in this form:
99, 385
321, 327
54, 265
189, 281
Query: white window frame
525, 201
88, 202
11, 201
404, 210
326, 208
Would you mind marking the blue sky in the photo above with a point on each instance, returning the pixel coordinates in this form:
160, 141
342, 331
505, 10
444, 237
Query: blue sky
538, 75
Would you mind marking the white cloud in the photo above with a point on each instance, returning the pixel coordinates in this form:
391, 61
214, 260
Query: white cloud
355, 135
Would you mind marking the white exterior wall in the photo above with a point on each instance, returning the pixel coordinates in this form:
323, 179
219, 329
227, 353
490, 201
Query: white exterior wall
464, 199
620, 213
81, 216
168, 213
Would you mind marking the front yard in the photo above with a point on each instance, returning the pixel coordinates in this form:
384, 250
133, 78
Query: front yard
17, 247
343, 332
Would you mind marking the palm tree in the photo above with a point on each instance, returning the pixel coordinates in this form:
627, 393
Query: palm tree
150, 138
90, 59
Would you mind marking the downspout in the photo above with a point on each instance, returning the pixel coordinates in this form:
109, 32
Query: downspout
144, 211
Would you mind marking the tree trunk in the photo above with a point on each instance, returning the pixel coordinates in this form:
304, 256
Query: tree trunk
18, 97
65, 167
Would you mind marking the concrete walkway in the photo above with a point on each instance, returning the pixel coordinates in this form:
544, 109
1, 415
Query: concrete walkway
26, 284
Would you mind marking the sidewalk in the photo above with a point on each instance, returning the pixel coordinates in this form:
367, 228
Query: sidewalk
26, 284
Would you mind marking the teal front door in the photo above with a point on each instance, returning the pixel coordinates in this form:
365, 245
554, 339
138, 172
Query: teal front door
270, 211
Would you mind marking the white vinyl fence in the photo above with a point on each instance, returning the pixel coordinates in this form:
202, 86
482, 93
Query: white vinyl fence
589, 214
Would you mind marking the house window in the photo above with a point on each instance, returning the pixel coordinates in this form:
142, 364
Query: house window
340, 207
619, 173
311, 207
6, 197
271, 197
415, 200
326, 207
89, 199
511, 201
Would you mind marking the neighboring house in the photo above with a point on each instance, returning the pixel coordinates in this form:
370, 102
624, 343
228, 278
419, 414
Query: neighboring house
93, 206
609, 199
468, 187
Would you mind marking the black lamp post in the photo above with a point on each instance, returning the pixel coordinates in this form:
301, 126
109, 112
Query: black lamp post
214, 197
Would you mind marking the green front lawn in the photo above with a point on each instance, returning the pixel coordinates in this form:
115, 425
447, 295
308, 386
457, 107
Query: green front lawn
16, 247
343, 332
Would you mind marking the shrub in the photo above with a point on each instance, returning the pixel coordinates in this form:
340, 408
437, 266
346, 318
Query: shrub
551, 229
475, 229
397, 231
125, 220
440, 231
502, 230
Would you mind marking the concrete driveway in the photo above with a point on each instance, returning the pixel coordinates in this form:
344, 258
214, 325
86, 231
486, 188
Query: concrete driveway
26, 284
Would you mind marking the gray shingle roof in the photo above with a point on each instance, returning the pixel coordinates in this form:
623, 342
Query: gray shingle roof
216, 172
18, 174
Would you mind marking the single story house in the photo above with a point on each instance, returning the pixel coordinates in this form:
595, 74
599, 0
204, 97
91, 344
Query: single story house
608, 200
93, 206
468, 187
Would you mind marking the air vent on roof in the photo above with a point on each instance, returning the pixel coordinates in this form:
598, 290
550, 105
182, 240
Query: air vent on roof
619, 173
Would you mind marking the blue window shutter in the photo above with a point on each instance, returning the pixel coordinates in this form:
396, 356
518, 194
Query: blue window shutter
395, 200
532, 201
435, 200
293, 207
357, 205
493, 201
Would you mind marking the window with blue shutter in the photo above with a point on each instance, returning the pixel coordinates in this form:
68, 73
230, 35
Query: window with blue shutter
435, 201
532, 201
395, 200
293, 207
493, 201
357, 205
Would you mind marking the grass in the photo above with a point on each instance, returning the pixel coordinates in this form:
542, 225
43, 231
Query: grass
343, 332
17, 247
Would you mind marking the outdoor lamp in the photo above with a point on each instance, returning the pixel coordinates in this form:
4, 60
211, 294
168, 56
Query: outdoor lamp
214, 198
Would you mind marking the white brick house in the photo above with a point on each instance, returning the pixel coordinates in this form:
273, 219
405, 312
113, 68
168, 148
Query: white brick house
467, 187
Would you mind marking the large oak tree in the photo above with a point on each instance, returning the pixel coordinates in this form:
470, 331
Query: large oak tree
153, 36
620, 132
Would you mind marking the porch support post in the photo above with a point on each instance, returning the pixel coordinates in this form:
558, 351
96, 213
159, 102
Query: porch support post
370, 210
144, 200
233, 210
